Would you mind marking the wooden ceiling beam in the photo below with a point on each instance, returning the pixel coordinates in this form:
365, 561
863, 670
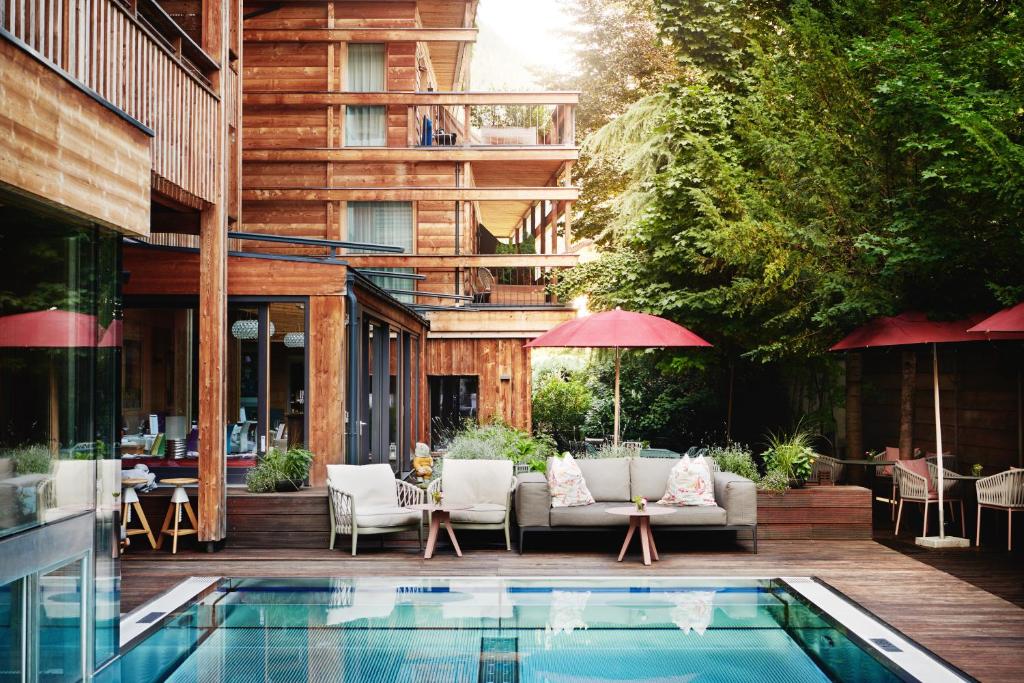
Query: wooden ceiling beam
352, 35
410, 194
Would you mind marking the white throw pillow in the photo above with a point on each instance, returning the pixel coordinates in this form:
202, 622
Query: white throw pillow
566, 484
689, 483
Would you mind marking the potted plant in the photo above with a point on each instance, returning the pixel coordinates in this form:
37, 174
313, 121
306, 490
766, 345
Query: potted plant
640, 502
791, 456
280, 471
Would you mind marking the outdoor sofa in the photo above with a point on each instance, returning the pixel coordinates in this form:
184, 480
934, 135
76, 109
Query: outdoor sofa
614, 482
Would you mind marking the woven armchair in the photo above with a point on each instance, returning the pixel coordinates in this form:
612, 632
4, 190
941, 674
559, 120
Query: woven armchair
915, 480
368, 500
1003, 491
481, 514
826, 463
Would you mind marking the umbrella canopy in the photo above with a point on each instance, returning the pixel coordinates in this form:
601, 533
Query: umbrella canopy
915, 328
1007, 320
49, 330
618, 330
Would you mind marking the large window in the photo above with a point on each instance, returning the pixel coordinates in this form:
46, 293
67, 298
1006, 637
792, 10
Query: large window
366, 126
453, 400
389, 224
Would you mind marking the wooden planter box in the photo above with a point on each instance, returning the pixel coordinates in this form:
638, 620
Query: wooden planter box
815, 512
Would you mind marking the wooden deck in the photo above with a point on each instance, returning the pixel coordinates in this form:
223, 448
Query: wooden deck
973, 629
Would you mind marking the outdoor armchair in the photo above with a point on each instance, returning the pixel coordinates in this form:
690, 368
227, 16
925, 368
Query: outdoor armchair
915, 480
368, 500
1003, 491
826, 463
485, 486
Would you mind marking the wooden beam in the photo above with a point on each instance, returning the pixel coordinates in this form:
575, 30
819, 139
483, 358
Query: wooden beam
449, 261
362, 35
409, 194
323, 98
326, 401
499, 323
414, 154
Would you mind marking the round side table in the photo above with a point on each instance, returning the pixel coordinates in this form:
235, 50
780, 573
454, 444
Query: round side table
130, 500
179, 501
640, 520
439, 514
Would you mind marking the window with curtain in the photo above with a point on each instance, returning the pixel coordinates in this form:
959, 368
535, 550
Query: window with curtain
388, 224
366, 126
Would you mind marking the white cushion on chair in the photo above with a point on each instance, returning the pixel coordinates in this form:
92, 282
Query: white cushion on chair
484, 513
371, 485
476, 482
385, 516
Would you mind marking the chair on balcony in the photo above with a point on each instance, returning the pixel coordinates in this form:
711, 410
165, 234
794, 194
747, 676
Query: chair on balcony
485, 487
368, 500
481, 284
1003, 491
915, 480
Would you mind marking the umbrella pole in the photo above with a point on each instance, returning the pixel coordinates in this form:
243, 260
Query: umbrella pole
617, 396
54, 412
938, 441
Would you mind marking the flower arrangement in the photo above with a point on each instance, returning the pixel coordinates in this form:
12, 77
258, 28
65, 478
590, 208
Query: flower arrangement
438, 497
976, 469
640, 502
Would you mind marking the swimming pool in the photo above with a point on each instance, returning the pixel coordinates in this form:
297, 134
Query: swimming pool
490, 630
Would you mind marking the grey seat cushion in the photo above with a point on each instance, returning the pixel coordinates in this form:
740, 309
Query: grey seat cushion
607, 478
691, 515
589, 515
484, 513
648, 477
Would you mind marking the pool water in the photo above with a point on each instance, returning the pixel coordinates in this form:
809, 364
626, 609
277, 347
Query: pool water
488, 630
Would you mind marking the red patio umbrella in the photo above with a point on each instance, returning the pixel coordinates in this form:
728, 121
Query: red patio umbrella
915, 328
55, 329
618, 330
1007, 320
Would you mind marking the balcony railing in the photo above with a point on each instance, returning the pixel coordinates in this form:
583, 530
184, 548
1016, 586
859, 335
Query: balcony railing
510, 125
121, 55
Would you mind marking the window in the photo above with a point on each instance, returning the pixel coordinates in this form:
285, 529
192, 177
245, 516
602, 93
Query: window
453, 400
388, 224
366, 126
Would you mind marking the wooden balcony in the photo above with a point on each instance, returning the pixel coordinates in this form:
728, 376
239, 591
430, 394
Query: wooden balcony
135, 60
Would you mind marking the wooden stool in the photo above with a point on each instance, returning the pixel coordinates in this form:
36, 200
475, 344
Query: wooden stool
179, 499
130, 499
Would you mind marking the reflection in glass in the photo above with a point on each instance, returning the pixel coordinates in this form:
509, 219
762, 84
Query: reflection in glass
287, 377
60, 623
243, 382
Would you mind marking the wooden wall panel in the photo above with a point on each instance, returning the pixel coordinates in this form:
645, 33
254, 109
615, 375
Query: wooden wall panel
288, 67
49, 136
491, 360
375, 14
327, 357
277, 127
292, 16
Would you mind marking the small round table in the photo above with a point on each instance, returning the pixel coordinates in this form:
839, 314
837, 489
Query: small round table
129, 500
640, 519
439, 514
179, 500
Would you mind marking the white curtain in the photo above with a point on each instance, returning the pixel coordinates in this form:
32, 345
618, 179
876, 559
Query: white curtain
388, 224
366, 126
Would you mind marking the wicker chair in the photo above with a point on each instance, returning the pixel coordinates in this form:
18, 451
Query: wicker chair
915, 480
891, 454
477, 482
368, 500
827, 464
1003, 491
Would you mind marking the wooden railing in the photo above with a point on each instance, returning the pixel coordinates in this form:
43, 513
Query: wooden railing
106, 48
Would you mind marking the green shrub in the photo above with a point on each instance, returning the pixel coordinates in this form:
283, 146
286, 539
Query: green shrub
737, 459
611, 451
791, 455
34, 459
277, 465
774, 481
262, 478
561, 405
497, 441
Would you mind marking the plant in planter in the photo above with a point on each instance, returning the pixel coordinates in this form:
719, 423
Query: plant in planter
280, 471
35, 459
792, 456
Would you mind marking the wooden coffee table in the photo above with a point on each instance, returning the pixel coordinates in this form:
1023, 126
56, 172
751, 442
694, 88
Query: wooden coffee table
640, 520
439, 514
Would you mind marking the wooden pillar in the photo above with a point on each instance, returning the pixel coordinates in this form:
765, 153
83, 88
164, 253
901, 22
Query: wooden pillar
908, 381
326, 402
213, 281
854, 413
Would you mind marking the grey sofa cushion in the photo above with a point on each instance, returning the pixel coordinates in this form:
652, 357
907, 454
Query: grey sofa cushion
533, 500
691, 515
589, 515
607, 478
648, 477
738, 495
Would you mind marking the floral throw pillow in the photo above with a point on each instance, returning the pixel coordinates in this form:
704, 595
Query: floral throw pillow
689, 483
565, 482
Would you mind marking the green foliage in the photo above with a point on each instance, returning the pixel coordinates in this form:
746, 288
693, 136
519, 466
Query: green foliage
612, 451
32, 459
561, 404
735, 458
774, 481
279, 466
497, 441
791, 455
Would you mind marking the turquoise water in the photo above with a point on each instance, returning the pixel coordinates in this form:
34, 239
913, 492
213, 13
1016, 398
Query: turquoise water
498, 631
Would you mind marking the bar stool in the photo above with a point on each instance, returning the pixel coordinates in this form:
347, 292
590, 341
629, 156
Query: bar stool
179, 500
130, 499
